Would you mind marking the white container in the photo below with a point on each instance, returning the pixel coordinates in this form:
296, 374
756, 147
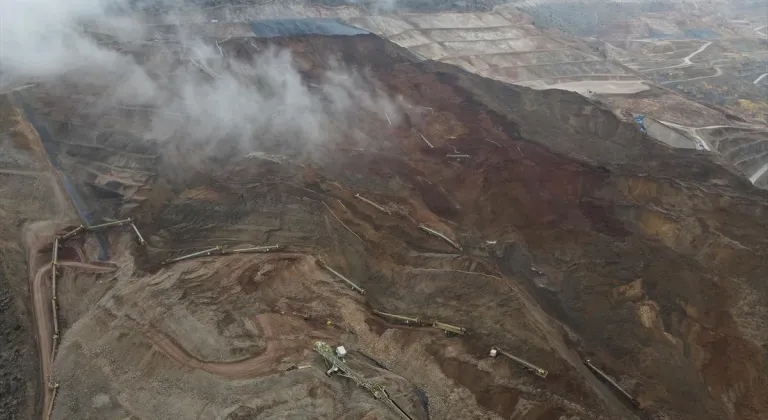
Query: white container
341, 351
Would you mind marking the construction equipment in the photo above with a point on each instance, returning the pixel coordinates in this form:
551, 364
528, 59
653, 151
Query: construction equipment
141, 238
495, 351
440, 235
458, 156
426, 141
54, 274
55, 250
122, 222
449, 329
336, 361
349, 282
110, 224
400, 318
205, 253
365, 200
54, 387
72, 233
610, 380
255, 249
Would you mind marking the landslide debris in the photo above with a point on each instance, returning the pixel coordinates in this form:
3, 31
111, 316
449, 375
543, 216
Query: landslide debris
579, 238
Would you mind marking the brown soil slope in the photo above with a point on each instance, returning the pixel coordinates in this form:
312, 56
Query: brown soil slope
580, 238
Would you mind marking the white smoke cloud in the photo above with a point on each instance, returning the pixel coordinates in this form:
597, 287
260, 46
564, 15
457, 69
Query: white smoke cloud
194, 92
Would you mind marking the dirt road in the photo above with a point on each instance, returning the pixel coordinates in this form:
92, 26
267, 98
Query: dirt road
41, 295
260, 365
686, 60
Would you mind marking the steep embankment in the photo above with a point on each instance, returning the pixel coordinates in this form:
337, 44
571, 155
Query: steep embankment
575, 236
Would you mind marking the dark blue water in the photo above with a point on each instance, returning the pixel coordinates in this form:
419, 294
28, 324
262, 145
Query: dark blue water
82, 209
310, 26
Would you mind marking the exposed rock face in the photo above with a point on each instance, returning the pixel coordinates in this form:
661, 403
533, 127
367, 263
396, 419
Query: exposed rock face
580, 238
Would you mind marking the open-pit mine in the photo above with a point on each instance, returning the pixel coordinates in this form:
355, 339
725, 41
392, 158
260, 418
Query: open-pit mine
305, 220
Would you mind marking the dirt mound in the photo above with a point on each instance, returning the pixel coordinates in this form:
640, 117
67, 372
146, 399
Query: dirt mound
569, 235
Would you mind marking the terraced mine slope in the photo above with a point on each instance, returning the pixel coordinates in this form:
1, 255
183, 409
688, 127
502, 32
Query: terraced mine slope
503, 47
567, 235
620, 64
715, 54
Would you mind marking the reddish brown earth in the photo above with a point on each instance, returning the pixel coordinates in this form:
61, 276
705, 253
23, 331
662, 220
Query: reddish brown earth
580, 238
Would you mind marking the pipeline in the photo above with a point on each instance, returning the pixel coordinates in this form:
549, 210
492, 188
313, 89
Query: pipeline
55, 258
49, 410
372, 203
404, 319
426, 141
54, 273
110, 224
610, 380
72, 233
204, 253
255, 249
380, 393
440, 235
344, 279
138, 234
54, 309
122, 222
54, 313
530, 366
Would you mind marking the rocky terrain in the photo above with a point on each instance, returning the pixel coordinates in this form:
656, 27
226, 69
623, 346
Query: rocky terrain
710, 54
571, 235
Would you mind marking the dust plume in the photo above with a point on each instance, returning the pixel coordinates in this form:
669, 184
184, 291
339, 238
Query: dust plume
192, 89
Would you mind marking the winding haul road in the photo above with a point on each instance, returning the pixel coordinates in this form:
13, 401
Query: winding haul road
41, 294
686, 60
260, 365
718, 72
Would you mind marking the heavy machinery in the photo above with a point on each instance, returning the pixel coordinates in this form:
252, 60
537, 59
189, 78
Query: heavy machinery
416, 322
72, 233
218, 250
204, 253
98, 227
371, 203
448, 328
440, 235
610, 380
253, 250
349, 282
399, 318
337, 365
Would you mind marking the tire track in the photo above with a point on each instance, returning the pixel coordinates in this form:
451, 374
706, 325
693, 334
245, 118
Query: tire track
257, 366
